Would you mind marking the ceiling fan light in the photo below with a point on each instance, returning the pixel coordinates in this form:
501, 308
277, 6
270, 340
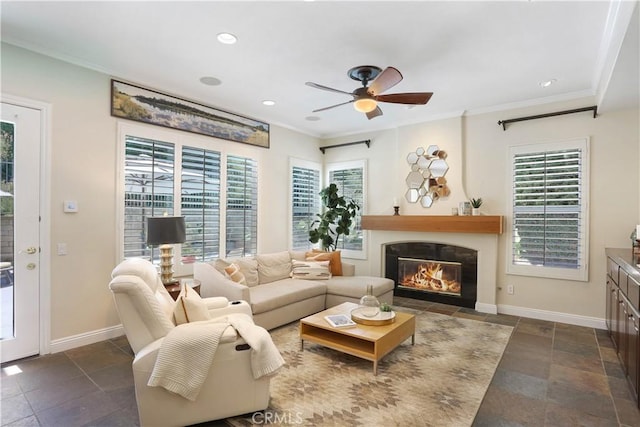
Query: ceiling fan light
365, 105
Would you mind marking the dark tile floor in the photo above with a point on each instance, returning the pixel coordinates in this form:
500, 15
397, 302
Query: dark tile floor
551, 374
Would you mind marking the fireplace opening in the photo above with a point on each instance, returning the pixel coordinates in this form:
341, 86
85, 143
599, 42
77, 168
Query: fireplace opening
433, 272
430, 276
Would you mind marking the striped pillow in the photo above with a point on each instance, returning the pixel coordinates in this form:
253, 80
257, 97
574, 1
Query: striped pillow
335, 262
312, 270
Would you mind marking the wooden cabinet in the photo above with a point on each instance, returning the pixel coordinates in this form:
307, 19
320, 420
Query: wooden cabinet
623, 313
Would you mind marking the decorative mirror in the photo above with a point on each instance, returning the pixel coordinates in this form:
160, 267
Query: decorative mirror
426, 181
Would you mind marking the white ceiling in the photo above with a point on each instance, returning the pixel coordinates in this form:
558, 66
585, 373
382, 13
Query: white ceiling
474, 56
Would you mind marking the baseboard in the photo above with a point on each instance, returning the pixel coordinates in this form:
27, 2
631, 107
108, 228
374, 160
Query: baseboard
86, 338
486, 308
553, 316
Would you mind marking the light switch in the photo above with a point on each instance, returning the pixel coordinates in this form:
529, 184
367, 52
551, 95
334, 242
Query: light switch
62, 248
70, 206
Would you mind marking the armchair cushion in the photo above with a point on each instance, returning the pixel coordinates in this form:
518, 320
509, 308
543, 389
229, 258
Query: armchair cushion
190, 307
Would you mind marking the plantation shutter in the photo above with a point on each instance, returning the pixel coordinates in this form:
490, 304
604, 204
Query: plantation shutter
200, 195
548, 227
305, 205
350, 185
148, 177
242, 206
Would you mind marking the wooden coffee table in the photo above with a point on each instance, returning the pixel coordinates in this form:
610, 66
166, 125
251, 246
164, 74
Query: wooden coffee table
367, 342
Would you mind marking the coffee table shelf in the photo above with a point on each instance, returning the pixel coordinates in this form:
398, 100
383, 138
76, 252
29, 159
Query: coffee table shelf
363, 341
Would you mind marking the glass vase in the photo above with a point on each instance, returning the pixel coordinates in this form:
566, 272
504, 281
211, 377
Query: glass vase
369, 304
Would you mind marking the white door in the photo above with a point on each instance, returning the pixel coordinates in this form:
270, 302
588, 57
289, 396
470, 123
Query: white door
20, 232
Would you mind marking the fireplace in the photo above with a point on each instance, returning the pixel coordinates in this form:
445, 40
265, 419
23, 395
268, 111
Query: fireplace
433, 271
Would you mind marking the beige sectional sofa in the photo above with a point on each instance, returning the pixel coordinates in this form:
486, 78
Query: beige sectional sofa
275, 297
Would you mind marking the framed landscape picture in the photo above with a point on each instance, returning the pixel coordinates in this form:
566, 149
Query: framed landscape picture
145, 105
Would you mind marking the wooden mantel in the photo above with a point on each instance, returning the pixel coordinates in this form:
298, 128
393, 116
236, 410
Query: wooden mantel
486, 224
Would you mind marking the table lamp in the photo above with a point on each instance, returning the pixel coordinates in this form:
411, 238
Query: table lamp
165, 231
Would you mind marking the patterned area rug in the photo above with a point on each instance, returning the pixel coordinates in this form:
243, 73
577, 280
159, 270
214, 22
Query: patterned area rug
440, 381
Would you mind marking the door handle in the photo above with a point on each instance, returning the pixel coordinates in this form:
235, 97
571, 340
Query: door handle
31, 250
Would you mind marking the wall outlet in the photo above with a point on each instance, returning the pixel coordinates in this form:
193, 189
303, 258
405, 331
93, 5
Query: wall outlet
510, 289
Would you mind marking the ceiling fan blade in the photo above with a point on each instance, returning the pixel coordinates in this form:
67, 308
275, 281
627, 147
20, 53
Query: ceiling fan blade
333, 106
406, 98
375, 113
330, 89
386, 80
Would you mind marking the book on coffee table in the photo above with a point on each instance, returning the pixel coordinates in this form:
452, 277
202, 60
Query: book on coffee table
339, 321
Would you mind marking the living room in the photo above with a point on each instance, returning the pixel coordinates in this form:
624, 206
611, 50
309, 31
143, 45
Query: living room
83, 163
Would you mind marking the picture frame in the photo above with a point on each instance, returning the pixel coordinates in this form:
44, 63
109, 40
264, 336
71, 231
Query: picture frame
132, 102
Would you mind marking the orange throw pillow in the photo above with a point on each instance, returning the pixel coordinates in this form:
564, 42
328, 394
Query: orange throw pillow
335, 261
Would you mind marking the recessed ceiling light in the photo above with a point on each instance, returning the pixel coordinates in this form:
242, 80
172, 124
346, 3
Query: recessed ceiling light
227, 38
547, 83
312, 118
210, 81
268, 102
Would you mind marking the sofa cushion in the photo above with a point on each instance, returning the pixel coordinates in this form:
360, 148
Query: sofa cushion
272, 267
248, 267
233, 270
310, 270
356, 286
270, 296
335, 261
190, 307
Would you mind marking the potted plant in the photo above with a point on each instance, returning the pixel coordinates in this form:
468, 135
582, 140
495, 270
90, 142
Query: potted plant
475, 206
335, 220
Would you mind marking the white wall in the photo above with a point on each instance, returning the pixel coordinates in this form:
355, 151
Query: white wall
478, 158
84, 151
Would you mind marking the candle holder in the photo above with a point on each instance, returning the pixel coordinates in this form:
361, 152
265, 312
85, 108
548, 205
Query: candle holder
396, 210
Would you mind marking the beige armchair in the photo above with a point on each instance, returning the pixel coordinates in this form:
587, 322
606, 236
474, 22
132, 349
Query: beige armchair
146, 312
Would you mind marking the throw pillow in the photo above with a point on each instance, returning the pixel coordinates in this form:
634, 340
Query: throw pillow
312, 270
335, 261
233, 270
190, 307
248, 267
275, 266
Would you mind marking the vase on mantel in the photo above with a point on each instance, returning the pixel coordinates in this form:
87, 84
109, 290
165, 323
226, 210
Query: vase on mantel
369, 304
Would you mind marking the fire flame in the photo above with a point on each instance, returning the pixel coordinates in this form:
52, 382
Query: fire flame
429, 277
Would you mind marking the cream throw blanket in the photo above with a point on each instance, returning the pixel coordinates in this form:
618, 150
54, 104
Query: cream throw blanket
188, 350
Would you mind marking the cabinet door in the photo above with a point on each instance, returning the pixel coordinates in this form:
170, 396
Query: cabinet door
621, 329
632, 353
609, 303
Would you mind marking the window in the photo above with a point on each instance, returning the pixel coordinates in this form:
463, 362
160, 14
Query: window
148, 180
350, 179
165, 175
242, 206
549, 202
200, 204
305, 201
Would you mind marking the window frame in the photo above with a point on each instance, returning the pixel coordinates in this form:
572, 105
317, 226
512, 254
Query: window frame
178, 139
352, 164
582, 272
304, 164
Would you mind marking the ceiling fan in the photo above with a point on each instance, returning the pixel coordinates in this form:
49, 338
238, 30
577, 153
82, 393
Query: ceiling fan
366, 98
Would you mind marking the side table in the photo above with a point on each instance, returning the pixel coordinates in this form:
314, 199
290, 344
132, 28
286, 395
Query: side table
175, 287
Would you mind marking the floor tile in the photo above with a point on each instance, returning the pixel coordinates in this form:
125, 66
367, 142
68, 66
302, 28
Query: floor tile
526, 365
628, 413
15, 408
510, 409
583, 401
519, 383
580, 380
52, 395
560, 416
78, 412
97, 356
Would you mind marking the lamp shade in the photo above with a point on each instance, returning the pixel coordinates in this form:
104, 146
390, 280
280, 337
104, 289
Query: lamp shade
163, 230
